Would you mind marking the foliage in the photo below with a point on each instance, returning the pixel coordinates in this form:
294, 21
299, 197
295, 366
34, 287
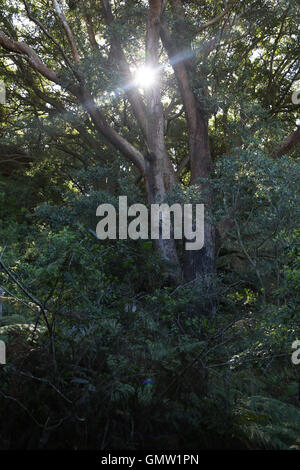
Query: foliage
104, 351
222, 382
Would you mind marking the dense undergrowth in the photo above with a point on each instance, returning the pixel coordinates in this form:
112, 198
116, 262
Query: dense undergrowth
104, 353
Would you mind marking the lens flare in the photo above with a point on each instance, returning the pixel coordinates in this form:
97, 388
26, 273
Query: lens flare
145, 77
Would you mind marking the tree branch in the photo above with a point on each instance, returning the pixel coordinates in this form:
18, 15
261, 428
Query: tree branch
196, 114
292, 140
11, 45
49, 35
218, 17
90, 31
67, 29
181, 73
102, 126
133, 95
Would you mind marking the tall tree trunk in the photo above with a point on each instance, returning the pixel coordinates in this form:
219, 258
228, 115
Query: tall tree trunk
201, 263
159, 173
197, 264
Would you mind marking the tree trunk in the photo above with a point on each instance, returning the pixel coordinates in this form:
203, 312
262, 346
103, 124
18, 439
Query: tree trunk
159, 172
198, 264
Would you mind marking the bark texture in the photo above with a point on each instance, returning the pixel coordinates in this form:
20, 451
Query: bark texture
159, 173
197, 264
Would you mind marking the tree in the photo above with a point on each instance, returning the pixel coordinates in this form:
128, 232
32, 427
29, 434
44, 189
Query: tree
82, 49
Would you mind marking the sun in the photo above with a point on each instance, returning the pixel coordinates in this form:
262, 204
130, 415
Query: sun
145, 76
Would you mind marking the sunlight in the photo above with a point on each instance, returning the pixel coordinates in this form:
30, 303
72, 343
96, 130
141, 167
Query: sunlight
145, 76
